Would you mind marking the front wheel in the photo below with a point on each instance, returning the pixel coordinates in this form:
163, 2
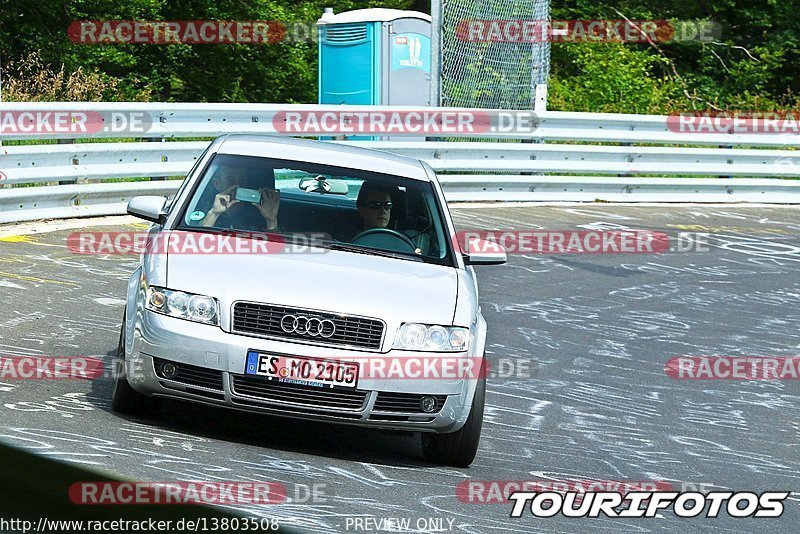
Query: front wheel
125, 399
458, 449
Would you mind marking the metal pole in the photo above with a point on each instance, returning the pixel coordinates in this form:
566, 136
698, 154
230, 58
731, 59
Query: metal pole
540, 97
1, 87
436, 53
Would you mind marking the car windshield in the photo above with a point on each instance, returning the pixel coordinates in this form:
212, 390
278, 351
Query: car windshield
345, 209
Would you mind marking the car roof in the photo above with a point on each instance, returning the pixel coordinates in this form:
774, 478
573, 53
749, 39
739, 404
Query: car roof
336, 154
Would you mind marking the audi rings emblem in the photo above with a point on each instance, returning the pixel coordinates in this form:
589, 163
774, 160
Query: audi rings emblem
309, 326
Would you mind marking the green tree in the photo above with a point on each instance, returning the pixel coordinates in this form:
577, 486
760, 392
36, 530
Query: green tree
284, 72
749, 65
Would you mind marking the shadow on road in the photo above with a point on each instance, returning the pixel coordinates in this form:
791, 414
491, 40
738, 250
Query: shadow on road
343, 442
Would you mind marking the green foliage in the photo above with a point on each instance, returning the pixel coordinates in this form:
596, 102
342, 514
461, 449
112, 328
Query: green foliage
609, 78
749, 65
30, 80
284, 72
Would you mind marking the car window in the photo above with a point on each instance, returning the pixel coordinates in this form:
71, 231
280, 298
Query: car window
355, 210
171, 199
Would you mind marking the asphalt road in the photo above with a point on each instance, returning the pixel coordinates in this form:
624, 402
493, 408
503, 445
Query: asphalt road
592, 333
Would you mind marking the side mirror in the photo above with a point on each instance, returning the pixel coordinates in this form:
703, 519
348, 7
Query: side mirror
149, 208
483, 252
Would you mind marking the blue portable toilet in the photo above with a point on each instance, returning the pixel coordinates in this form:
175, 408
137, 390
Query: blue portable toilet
375, 57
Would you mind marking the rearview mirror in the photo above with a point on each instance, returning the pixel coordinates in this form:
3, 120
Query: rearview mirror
149, 208
320, 184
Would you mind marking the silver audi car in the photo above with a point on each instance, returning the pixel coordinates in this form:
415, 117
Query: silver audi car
312, 280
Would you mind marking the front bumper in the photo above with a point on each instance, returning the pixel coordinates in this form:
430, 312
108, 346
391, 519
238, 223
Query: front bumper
211, 365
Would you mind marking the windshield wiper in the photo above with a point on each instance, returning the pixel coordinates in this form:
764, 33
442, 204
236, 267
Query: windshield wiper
336, 245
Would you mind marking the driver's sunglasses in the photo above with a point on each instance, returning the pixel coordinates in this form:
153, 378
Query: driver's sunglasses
376, 205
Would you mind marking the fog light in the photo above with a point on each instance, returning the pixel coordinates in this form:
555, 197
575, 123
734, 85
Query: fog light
169, 370
427, 404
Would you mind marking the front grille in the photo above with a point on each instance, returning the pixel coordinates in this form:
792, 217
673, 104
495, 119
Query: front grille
336, 398
286, 410
265, 320
405, 403
191, 374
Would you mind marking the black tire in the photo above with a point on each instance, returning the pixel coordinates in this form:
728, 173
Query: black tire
125, 399
458, 449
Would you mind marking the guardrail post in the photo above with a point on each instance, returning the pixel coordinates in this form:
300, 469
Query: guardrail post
156, 140
730, 147
625, 174
66, 142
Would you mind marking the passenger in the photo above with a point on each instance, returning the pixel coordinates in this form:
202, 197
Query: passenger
224, 190
243, 216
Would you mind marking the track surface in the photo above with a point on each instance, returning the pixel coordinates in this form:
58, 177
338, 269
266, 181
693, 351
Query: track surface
595, 330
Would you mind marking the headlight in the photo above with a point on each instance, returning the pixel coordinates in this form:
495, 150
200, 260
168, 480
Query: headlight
434, 338
198, 308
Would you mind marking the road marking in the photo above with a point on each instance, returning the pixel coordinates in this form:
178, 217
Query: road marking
28, 240
718, 229
39, 228
18, 239
107, 301
35, 279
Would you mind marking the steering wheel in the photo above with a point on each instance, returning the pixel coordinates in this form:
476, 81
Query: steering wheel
385, 238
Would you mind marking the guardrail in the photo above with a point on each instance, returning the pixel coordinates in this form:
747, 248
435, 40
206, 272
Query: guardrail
182, 120
96, 161
507, 171
67, 201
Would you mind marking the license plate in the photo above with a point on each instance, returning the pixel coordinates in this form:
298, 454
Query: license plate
302, 370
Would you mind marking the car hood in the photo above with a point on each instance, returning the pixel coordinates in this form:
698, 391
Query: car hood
326, 280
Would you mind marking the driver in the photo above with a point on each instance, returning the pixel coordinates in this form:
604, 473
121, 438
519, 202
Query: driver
374, 204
